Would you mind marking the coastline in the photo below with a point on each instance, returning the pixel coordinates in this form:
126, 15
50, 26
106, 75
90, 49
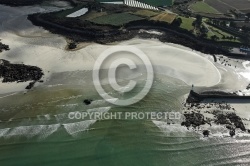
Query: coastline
170, 34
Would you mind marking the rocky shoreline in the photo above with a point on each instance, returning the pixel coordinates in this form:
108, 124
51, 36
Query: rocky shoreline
110, 34
220, 114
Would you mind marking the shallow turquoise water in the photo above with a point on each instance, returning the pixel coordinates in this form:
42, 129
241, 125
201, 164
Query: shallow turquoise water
105, 142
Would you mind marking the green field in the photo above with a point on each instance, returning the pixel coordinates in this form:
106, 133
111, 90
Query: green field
219, 33
146, 13
203, 7
165, 17
187, 23
116, 19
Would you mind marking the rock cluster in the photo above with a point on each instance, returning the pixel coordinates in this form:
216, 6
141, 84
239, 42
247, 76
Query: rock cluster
19, 73
87, 101
194, 118
3, 47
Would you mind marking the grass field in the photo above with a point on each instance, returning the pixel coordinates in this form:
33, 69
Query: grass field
116, 19
224, 6
146, 13
92, 15
219, 33
203, 7
164, 17
187, 23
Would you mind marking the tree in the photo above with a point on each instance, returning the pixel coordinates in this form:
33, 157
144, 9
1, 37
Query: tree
198, 20
247, 20
197, 23
177, 22
233, 24
245, 29
203, 35
223, 23
214, 37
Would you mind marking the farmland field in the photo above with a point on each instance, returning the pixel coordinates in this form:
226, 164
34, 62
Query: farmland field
145, 13
116, 19
203, 7
164, 17
224, 6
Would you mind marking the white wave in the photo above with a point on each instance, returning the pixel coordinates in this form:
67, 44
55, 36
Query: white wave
151, 32
3, 131
75, 128
40, 131
68, 105
47, 116
61, 116
100, 109
168, 129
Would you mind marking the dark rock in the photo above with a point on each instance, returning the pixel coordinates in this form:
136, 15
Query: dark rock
206, 133
4, 47
30, 85
19, 72
222, 119
87, 101
72, 46
194, 119
232, 132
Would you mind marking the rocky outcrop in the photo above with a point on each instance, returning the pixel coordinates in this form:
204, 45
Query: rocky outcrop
3, 47
220, 114
193, 119
87, 101
19, 73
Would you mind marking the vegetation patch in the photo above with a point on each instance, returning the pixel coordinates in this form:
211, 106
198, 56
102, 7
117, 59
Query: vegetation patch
187, 23
146, 13
165, 17
222, 36
203, 7
118, 19
92, 15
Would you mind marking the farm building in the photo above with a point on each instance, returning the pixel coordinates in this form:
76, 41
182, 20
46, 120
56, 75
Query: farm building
154, 3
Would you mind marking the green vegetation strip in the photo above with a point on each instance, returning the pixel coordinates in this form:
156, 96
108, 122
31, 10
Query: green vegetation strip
203, 7
116, 19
